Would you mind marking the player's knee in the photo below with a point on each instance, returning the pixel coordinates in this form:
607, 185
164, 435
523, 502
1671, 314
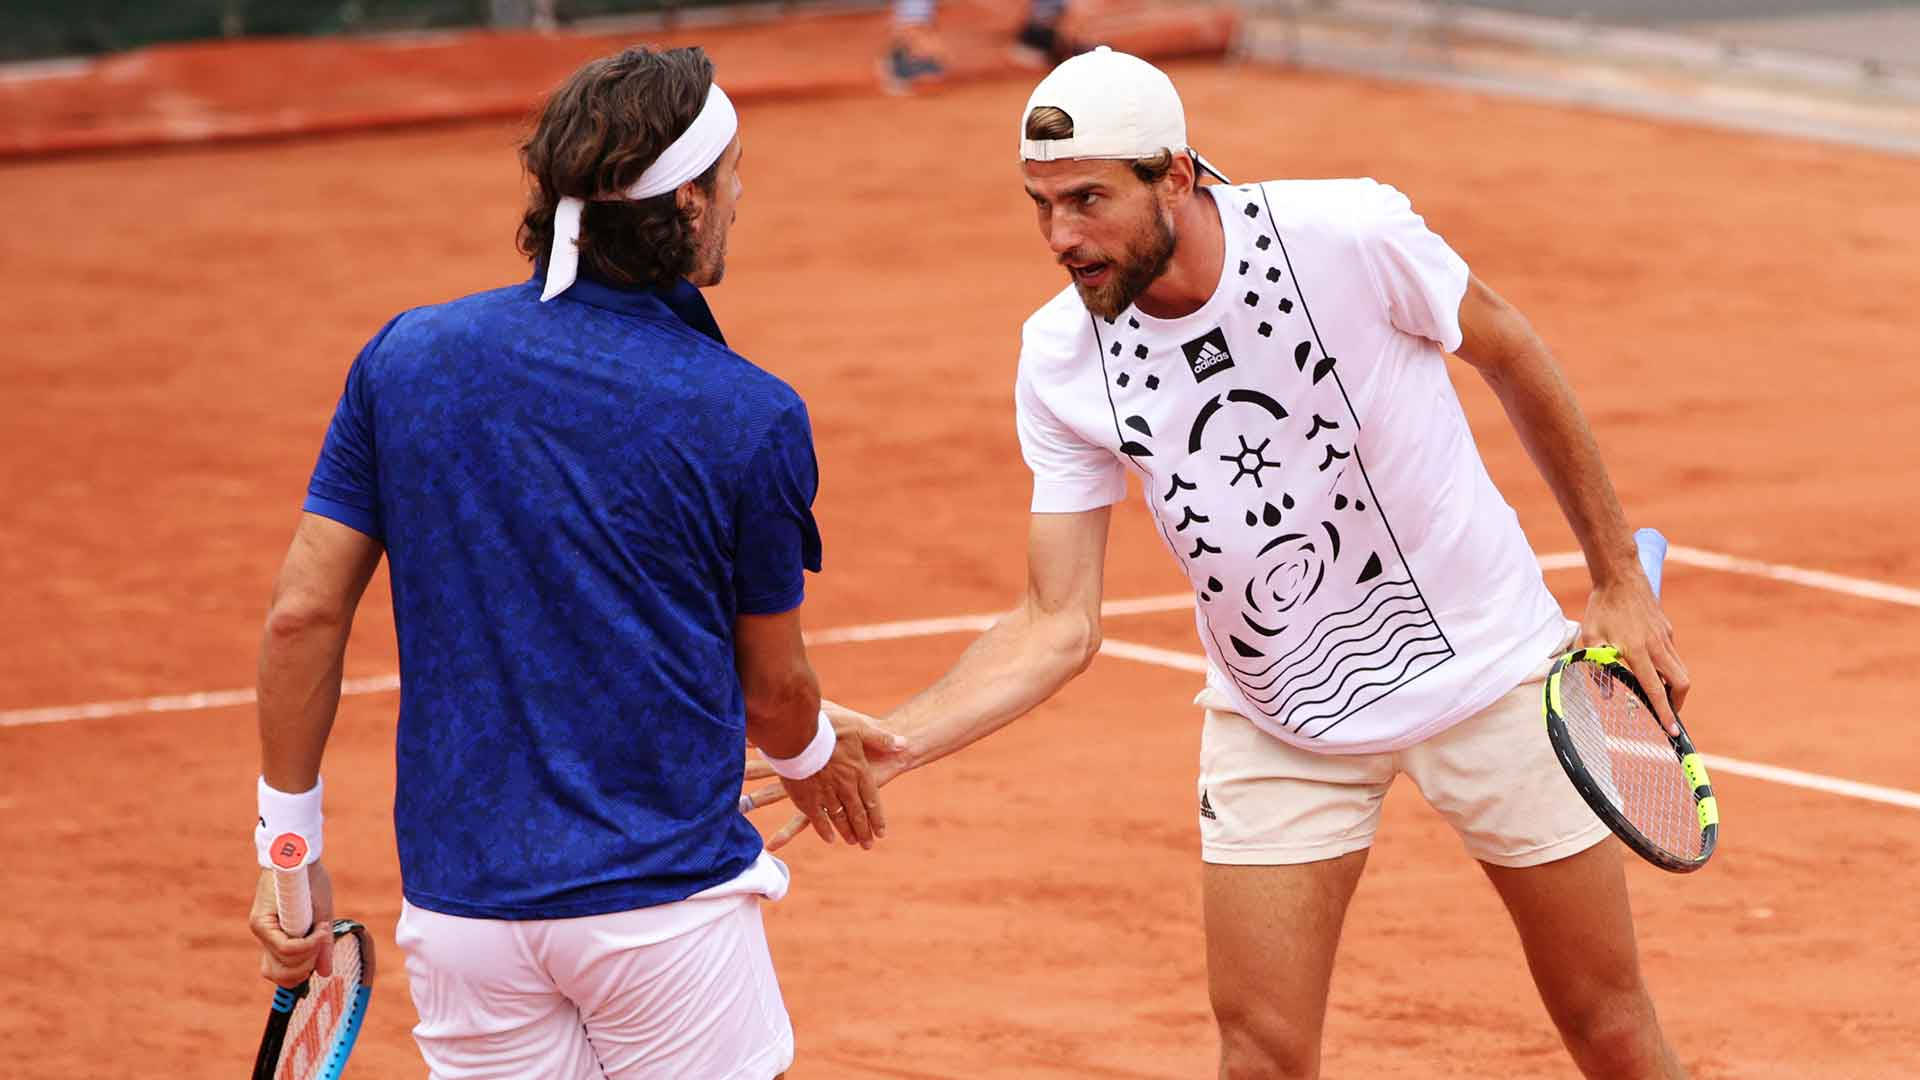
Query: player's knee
1261, 1044
1616, 1036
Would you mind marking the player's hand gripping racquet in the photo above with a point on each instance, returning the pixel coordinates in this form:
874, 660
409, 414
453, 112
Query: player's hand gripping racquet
1648, 786
312, 1027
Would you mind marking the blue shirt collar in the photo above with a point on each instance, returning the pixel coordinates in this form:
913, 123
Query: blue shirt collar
680, 300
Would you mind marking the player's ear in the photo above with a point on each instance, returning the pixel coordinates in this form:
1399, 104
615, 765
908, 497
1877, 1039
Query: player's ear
1184, 177
691, 200
1173, 186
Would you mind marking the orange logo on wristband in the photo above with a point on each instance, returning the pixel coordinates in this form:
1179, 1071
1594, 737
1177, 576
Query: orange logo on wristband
288, 850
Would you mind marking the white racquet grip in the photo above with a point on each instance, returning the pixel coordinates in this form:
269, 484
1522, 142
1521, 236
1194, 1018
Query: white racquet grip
812, 759
293, 900
1653, 555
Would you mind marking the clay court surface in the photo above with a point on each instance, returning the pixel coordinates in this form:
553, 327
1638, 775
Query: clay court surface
1736, 312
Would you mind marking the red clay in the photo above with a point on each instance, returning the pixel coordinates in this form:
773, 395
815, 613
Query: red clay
1735, 311
173, 95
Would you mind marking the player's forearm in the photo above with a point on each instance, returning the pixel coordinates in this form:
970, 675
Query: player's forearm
1545, 413
784, 714
302, 653
1021, 661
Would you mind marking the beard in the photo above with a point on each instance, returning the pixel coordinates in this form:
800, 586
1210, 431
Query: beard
710, 253
1139, 264
709, 262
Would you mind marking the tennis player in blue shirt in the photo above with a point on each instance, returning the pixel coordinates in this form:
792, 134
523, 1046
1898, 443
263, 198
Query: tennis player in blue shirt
596, 517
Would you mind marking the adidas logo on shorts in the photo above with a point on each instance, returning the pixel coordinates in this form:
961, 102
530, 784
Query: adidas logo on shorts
1206, 806
1207, 355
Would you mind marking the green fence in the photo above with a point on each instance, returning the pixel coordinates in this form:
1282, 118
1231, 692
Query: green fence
34, 29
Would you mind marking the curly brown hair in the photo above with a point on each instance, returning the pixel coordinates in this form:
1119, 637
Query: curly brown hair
596, 134
1047, 123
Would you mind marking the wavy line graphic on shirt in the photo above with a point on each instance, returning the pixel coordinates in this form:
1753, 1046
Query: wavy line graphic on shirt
1397, 635
1395, 613
1322, 633
1415, 655
1301, 688
1302, 700
1414, 665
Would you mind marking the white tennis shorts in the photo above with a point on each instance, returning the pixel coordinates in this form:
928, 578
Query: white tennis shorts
1493, 776
682, 991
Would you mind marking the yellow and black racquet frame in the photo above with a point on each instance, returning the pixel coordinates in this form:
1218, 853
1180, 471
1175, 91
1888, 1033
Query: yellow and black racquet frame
1695, 771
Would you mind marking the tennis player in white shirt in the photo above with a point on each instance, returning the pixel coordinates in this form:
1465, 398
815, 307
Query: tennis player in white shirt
1270, 360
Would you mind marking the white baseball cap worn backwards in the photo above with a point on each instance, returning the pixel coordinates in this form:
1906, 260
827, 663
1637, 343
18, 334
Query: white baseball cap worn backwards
1122, 108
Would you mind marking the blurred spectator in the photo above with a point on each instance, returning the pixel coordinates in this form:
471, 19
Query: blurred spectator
539, 14
914, 55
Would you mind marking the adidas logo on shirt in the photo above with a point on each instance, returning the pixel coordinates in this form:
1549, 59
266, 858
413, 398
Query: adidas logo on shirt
1207, 355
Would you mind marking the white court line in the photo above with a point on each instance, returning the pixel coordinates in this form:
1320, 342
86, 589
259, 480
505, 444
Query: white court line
911, 628
1812, 579
1564, 560
1149, 654
1833, 785
1645, 749
206, 699
959, 624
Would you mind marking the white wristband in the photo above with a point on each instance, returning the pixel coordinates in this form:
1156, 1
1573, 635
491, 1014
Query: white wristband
812, 759
288, 832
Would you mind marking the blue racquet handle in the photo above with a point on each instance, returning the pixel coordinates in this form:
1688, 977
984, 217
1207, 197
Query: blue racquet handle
1653, 554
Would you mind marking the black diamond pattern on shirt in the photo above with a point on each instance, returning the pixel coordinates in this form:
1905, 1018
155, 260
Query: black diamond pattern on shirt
1244, 449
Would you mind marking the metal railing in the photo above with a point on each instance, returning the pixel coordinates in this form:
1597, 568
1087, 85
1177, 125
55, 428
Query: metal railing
40, 29
1728, 38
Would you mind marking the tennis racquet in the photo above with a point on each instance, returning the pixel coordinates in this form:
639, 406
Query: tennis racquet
312, 1027
1649, 787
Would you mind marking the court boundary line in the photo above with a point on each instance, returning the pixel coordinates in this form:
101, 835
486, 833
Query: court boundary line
1832, 785
1863, 588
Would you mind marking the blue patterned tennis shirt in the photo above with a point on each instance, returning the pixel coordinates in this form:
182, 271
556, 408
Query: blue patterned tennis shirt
577, 498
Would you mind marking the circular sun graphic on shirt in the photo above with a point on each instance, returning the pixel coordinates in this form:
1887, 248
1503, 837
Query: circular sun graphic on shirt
1249, 461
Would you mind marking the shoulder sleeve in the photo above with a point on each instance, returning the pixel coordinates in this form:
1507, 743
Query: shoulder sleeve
1070, 474
346, 481
1417, 276
775, 537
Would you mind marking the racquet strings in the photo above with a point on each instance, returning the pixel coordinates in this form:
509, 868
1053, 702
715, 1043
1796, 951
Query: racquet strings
1621, 745
320, 1017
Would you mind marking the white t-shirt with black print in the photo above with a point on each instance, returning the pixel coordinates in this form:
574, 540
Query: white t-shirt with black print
1360, 583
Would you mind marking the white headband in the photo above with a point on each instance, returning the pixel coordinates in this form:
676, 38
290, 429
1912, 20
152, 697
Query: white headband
693, 153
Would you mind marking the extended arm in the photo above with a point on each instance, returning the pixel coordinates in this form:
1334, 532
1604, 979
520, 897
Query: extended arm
1500, 343
1029, 654
1021, 661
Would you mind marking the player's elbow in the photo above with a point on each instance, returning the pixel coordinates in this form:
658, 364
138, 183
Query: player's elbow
296, 616
1073, 640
